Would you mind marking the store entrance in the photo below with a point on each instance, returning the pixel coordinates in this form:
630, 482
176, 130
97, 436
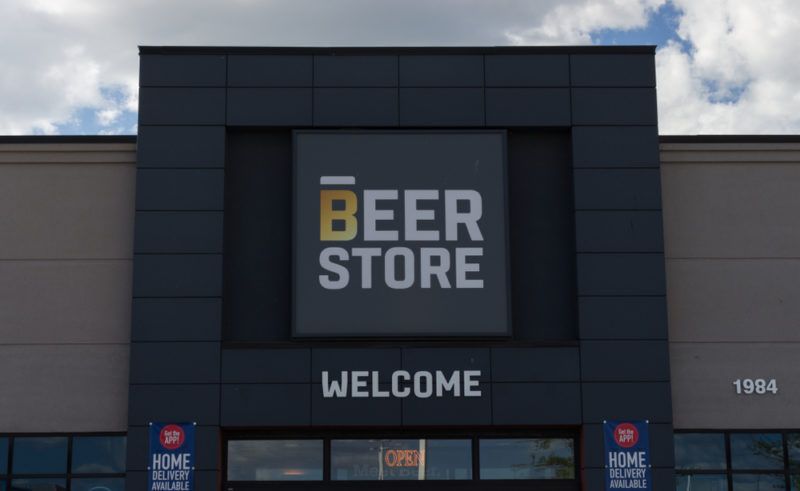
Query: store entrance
441, 461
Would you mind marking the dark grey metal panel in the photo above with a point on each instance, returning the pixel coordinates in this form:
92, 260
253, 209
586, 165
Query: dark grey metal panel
182, 70
355, 107
615, 146
203, 480
448, 359
623, 317
266, 366
449, 410
355, 71
617, 189
207, 443
661, 448
269, 71
621, 274
354, 412
619, 231
527, 107
175, 363
625, 361
627, 400
663, 479
179, 189
614, 106
177, 232
527, 70
176, 319
335, 360
607, 70
181, 146
198, 403
536, 404
269, 107
535, 365
258, 181
441, 71
187, 275
266, 405
178, 106
441, 107
542, 235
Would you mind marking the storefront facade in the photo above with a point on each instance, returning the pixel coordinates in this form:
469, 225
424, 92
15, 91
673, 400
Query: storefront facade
358, 268
235, 147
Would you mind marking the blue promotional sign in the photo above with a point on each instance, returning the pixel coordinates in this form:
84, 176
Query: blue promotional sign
627, 459
171, 464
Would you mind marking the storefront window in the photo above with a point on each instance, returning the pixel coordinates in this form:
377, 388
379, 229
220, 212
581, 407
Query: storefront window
98, 454
40, 455
400, 459
702, 482
700, 451
39, 484
98, 484
793, 445
40, 463
3, 457
527, 458
275, 460
756, 451
759, 482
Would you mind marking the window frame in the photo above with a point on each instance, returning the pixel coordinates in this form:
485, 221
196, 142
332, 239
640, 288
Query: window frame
10, 476
473, 437
785, 471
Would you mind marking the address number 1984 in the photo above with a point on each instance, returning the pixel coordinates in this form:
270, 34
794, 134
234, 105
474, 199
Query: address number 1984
758, 386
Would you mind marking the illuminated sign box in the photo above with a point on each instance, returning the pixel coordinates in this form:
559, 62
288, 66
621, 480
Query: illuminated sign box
400, 233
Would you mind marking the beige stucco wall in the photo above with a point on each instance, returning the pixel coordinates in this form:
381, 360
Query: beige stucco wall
732, 244
66, 237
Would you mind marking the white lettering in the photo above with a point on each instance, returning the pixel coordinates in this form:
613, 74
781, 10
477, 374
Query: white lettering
366, 254
334, 388
472, 385
325, 261
408, 268
418, 391
414, 214
443, 384
372, 215
427, 269
463, 267
470, 218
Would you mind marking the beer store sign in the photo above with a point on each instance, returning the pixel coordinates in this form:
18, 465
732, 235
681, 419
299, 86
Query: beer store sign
400, 233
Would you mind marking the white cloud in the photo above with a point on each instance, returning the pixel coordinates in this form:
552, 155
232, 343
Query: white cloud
61, 56
742, 73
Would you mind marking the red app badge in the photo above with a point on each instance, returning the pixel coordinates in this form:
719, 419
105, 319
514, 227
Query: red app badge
171, 437
626, 435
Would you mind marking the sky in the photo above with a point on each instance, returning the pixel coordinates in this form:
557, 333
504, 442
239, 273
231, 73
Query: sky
723, 66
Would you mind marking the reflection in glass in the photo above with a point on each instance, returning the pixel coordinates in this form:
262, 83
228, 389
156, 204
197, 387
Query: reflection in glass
275, 460
756, 451
700, 451
40, 455
98, 484
527, 458
400, 459
759, 482
39, 484
98, 454
794, 479
793, 443
3, 457
701, 482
